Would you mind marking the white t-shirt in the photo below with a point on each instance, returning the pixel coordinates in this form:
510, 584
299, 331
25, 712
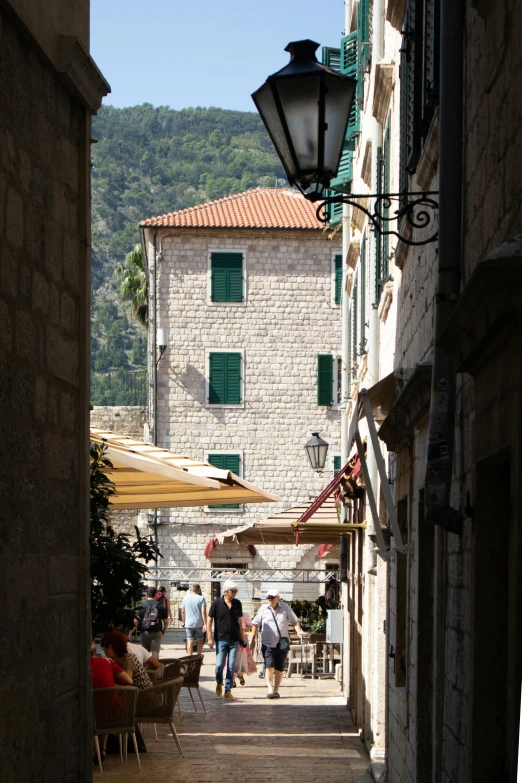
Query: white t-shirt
140, 652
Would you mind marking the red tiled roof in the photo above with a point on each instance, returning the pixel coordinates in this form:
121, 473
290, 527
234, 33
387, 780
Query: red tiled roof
259, 208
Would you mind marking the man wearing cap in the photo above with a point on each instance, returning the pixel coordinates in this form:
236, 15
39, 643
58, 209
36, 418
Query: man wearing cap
275, 638
225, 613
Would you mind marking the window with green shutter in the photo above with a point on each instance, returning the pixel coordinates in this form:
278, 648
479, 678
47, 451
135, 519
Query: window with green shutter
224, 381
325, 369
337, 463
226, 462
363, 267
338, 261
226, 270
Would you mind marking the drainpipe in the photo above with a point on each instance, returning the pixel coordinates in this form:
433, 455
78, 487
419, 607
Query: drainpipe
154, 362
443, 394
373, 330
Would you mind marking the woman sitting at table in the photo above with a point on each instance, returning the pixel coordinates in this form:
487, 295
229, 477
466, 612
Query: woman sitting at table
114, 645
106, 672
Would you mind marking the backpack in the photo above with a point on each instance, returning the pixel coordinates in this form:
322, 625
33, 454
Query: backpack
150, 620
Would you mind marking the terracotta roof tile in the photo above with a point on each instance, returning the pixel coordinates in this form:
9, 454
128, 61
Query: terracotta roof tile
259, 208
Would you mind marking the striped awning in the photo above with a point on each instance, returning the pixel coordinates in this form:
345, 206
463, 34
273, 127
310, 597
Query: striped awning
146, 476
323, 527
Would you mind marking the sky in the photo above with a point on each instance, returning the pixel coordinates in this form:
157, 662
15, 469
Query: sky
199, 52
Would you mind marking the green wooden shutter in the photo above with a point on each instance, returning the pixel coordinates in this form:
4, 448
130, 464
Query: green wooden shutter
338, 279
224, 379
362, 344
355, 324
233, 378
349, 66
325, 379
216, 381
227, 277
331, 57
225, 462
364, 30
337, 463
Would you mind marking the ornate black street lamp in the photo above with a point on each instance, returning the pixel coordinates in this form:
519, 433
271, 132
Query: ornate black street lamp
316, 450
306, 107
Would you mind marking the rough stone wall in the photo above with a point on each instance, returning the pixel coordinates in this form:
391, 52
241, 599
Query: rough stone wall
124, 420
44, 684
288, 320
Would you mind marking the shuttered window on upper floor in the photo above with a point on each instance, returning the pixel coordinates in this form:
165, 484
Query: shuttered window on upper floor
227, 277
224, 381
226, 461
329, 370
337, 463
325, 375
419, 81
338, 279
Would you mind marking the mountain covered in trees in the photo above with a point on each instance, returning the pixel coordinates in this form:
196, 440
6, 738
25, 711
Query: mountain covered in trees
148, 161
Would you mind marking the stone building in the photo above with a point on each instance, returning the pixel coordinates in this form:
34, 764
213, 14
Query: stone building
248, 288
50, 87
436, 668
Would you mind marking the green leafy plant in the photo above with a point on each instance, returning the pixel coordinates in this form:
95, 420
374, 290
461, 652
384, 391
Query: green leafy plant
133, 284
118, 564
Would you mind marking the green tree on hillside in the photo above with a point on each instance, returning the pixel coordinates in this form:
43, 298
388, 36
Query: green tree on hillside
133, 285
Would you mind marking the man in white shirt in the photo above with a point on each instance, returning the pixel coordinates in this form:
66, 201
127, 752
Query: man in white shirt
275, 638
143, 655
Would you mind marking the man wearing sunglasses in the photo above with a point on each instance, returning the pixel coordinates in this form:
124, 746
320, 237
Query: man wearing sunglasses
275, 638
225, 613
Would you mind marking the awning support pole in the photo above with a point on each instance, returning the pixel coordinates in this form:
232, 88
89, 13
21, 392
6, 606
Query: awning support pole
388, 497
371, 497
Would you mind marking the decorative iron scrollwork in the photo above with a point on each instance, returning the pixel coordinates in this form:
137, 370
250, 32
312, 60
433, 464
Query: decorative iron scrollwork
417, 209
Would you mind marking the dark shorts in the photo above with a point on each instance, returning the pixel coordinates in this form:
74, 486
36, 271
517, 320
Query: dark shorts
274, 657
194, 633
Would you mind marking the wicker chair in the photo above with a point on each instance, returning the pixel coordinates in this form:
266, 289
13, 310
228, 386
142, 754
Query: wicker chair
156, 705
190, 668
156, 674
173, 670
114, 712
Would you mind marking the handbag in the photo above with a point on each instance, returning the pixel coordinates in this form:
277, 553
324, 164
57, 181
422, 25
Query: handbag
284, 641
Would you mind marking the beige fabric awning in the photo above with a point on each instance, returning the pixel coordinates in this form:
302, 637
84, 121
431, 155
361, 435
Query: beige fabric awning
322, 528
146, 476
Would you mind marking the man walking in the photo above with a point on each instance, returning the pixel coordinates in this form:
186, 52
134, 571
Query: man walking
194, 618
152, 617
275, 638
225, 612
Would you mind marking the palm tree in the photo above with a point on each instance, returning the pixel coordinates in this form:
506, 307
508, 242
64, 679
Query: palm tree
134, 284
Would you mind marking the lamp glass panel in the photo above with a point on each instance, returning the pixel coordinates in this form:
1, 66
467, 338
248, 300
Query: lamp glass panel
322, 451
299, 98
266, 105
338, 103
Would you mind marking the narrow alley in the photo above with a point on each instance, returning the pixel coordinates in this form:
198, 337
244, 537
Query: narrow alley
306, 736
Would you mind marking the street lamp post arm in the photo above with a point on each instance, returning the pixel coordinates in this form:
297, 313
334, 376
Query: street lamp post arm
418, 211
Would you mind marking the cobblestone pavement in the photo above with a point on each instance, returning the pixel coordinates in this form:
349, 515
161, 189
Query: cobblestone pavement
306, 736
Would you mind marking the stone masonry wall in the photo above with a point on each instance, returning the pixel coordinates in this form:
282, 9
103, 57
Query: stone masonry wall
44, 696
289, 318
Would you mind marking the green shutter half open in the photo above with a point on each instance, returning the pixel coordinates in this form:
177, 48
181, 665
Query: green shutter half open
338, 279
325, 379
225, 462
224, 379
226, 277
337, 463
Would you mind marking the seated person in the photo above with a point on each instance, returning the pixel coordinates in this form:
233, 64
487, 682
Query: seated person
105, 672
114, 645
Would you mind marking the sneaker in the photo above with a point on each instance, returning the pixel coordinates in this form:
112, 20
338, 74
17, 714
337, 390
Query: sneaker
229, 695
234, 684
277, 695
219, 689
261, 675
271, 695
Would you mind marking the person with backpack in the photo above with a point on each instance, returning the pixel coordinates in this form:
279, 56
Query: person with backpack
152, 617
